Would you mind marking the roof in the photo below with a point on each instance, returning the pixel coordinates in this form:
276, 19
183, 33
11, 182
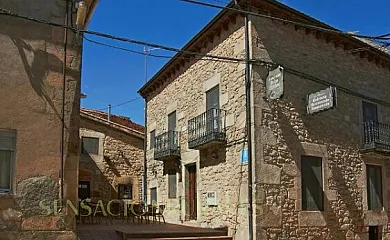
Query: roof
121, 122
271, 8
92, 4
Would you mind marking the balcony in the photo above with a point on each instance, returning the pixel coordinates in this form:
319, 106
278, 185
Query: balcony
167, 146
376, 137
207, 129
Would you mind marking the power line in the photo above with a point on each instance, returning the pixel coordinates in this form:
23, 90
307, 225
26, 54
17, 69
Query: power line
123, 49
382, 37
120, 104
152, 55
122, 39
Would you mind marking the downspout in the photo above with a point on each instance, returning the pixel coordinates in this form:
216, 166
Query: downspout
248, 125
62, 150
145, 177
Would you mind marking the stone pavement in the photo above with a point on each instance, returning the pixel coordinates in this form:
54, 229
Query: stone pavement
107, 232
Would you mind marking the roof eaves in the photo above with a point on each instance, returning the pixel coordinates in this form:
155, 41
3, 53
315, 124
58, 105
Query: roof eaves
187, 46
112, 124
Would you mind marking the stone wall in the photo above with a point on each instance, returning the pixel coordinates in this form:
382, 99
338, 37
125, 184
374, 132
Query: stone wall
120, 156
284, 132
223, 173
31, 100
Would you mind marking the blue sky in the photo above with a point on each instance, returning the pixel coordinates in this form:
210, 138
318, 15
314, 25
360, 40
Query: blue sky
111, 76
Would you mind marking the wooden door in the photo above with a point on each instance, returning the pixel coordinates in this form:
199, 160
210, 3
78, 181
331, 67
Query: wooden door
192, 196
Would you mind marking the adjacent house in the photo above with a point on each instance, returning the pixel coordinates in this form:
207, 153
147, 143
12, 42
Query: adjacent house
111, 159
39, 120
316, 175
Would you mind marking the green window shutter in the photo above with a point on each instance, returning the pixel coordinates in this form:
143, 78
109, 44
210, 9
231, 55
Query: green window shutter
172, 184
5, 170
312, 184
374, 187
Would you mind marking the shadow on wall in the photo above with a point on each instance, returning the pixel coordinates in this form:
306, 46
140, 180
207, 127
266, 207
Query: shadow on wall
348, 206
212, 156
42, 63
101, 188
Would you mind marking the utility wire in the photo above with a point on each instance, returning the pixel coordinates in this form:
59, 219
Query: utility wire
153, 55
120, 104
124, 49
122, 39
382, 37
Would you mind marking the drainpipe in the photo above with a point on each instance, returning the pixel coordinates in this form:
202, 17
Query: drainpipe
248, 124
62, 141
109, 112
145, 177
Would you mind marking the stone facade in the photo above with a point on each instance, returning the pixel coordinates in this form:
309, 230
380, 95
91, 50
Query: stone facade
222, 173
31, 98
119, 159
282, 131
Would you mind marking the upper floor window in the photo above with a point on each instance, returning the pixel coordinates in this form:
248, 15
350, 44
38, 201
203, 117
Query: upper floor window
212, 98
370, 112
7, 160
90, 145
125, 191
152, 139
374, 187
172, 121
312, 183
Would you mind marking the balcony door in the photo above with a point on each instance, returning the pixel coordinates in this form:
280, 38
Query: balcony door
370, 112
212, 107
370, 123
171, 129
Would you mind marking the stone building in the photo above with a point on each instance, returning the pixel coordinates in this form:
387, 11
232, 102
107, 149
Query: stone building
321, 175
39, 98
112, 156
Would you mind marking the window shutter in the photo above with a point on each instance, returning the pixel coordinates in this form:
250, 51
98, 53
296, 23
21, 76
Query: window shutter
374, 187
5, 170
7, 140
172, 184
212, 98
312, 184
153, 195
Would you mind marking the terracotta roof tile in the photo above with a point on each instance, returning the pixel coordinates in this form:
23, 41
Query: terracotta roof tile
122, 120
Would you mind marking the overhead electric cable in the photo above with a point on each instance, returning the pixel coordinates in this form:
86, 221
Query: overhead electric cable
122, 39
152, 55
383, 37
120, 104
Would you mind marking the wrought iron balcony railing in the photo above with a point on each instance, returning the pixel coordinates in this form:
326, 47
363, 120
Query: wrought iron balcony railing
207, 128
167, 146
376, 136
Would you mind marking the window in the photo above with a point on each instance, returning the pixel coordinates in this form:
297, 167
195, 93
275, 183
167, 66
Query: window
84, 190
312, 184
212, 98
373, 233
172, 183
125, 191
370, 112
7, 160
172, 121
152, 139
374, 187
153, 195
90, 145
